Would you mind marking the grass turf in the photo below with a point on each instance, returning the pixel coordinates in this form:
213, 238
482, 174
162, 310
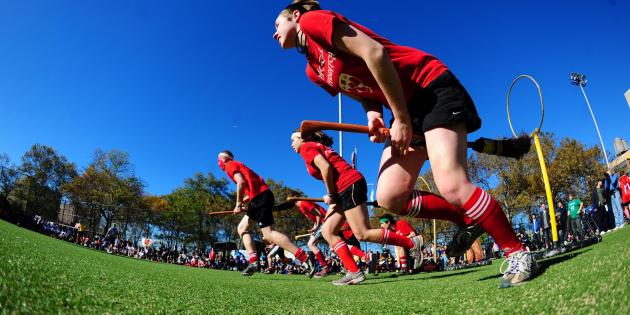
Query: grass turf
39, 274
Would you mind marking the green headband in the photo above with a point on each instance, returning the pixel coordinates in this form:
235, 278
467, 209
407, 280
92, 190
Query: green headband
384, 220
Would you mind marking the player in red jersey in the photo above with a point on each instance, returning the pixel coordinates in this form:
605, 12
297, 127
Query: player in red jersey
423, 96
259, 211
316, 214
400, 227
624, 186
347, 198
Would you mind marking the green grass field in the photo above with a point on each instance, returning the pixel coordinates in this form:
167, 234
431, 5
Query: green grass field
39, 274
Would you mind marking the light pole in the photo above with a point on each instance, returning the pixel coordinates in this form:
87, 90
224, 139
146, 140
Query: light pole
580, 80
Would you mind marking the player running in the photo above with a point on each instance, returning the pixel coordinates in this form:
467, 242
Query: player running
259, 212
425, 98
347, 200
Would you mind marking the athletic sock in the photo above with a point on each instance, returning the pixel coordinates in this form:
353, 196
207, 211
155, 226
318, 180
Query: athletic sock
253, 257
403, 263
358, 252
390, 238
342, 250
320, 259
487, 213
426, 205
301, 255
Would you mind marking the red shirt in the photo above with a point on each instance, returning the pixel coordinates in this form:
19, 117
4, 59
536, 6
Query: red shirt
312, 210
624, 185
336, 71
403, 228
344, 175
254, 184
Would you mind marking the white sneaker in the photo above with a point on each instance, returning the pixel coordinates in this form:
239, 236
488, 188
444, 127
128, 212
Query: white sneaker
416, 251
521, 267
350, 278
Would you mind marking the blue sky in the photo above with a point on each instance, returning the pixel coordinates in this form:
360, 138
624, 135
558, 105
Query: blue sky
174, 82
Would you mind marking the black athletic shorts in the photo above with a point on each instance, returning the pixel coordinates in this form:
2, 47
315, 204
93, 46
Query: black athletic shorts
260, 209
354, 195
443, 102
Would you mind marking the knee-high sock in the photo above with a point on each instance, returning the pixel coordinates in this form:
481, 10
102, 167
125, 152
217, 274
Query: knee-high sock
342, 250
320, 258
391, 238
357, 252
301, 255
486, 212
426, 205
403, 262
253, 257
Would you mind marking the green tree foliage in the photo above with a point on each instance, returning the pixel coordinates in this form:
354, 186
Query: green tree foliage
518, 184
107, 191
290, 222
44, 172
8, 178
186, 219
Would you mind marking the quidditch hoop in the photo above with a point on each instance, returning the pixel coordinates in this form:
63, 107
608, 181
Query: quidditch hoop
542, 105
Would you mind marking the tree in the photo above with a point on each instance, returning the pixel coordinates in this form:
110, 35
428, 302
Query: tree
187, 220
518, 184
8, 178
46, 171
290, 222
108, 190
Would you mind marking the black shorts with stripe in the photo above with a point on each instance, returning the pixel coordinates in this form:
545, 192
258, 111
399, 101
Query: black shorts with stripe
443, 102
354, 195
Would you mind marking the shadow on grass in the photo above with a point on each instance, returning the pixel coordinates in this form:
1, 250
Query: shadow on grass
544, 264
416, 278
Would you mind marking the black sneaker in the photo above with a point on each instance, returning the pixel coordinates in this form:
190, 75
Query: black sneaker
251, 268
463, 240
311, 262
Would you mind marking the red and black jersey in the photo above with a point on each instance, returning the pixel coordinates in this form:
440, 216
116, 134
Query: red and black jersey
403, 228
344, 175
312, 210
337, 71
254, 184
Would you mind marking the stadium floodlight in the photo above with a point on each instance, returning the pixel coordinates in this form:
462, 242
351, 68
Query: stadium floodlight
580, 80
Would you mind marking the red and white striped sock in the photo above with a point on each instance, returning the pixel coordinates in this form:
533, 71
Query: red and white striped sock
253, 257
301, 255
486, 212
426, 205
342, 250
358, 252
390, 238
320, 258
403, 262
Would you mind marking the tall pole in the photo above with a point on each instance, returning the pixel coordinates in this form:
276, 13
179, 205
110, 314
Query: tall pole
340, 133
596, 126
579, 79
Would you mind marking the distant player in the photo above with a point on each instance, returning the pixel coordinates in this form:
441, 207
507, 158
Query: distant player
259, 212
403, 228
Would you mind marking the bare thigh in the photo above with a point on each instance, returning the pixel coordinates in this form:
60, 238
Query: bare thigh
447, 147
397, 177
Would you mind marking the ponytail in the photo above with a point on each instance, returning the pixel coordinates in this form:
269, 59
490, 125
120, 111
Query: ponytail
317, 136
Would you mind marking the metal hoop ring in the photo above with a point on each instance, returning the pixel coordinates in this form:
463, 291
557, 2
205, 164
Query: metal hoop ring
542, 104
